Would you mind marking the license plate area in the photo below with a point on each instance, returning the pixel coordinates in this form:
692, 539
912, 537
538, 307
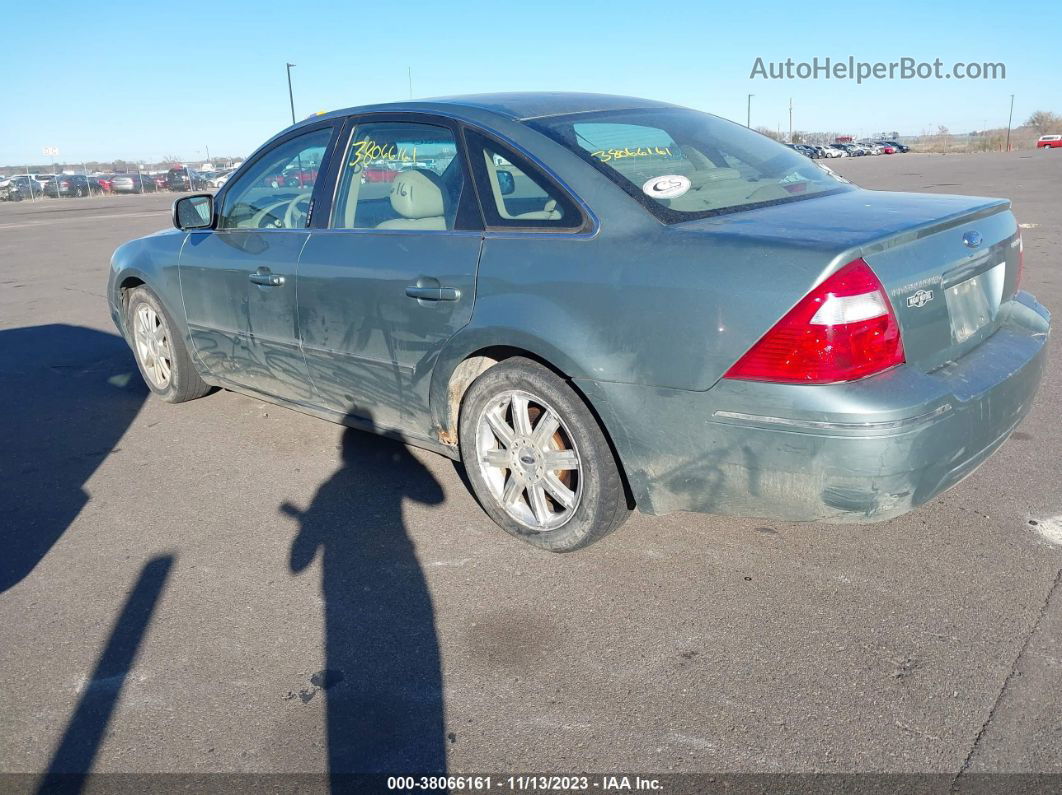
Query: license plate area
974, 303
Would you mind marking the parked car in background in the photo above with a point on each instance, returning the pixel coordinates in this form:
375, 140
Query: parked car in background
217, 179
837, 150
71, 186
133, 183
25, 186
103, 183
1049, 142
161, 181
17, 188
897, 146
830, 152
587, 332
184, 179
378, 173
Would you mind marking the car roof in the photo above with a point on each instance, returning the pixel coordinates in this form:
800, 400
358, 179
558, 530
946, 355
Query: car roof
517, 106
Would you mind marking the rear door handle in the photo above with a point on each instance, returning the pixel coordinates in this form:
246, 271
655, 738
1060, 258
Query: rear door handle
266, 279
433, 293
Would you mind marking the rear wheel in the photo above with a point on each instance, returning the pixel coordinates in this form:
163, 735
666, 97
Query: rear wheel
161, 356
537, 459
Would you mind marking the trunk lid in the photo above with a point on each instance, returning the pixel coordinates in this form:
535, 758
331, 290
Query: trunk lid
946, 262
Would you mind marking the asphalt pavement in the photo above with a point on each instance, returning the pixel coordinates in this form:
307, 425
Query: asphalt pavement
214, 586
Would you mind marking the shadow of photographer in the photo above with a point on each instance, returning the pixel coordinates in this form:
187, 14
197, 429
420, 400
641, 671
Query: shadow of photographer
382, 680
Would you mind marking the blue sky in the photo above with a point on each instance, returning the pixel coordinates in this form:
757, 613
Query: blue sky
154, 79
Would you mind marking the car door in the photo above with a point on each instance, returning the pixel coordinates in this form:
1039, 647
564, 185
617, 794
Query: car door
392, 277
238, 278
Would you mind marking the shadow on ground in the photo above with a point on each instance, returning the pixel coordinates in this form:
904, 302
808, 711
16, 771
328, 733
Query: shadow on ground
77, 748
67, 394
382, 680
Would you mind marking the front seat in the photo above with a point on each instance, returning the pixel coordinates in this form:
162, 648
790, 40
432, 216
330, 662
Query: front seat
417, 196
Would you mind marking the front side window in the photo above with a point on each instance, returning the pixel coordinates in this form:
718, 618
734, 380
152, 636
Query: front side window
400, 175
514, 194
275, 192
682, 164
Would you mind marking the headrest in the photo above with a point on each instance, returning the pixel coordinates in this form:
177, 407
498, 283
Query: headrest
416, 193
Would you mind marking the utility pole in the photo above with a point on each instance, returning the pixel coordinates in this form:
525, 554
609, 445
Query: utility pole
291, 96
1010, 118
790, 120
208, 152
748, 112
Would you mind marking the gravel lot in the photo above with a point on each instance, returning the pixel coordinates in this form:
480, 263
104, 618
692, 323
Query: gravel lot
203, 587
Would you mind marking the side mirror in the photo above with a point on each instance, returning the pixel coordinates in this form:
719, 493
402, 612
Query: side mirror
194, 212
506, 182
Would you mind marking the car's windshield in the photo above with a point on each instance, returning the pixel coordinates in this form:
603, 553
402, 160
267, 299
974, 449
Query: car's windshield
682, 164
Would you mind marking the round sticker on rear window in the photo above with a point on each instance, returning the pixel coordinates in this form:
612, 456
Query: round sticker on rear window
666, 187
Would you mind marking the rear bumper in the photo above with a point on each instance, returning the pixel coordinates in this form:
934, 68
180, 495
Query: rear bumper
859, 452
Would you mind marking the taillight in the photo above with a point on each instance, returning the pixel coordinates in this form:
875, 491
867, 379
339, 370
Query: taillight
842, 330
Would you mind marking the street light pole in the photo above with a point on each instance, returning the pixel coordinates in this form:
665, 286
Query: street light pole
1010, 119
748, 112
291, 96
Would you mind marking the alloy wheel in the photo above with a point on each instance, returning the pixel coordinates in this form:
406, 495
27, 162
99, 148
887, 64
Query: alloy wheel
153, 345
529, 460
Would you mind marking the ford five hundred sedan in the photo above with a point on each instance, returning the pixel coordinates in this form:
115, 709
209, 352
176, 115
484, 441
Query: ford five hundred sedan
598, 303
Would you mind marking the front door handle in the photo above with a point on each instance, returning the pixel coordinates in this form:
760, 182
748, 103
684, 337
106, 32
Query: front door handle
433, 293
266, 279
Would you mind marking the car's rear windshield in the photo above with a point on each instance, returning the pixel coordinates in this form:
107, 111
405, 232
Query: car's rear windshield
682, 164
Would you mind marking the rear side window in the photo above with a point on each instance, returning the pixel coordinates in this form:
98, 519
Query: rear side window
681, 164
515, 194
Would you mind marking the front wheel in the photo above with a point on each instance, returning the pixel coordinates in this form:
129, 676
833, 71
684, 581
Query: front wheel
160, 354
537, 459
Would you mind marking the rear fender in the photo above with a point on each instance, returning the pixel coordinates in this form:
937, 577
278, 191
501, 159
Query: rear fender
485, 337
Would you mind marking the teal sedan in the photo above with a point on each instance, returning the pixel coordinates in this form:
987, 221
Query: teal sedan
598, 303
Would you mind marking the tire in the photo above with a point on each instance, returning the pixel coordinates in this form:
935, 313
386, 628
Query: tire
588, 478
78, 192
165, 365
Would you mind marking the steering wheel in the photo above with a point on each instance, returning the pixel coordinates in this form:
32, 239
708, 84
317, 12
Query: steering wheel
295, 211
268, 217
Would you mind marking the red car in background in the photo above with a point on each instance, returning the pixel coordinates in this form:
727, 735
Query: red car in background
1049, 142
291, 178
378, 174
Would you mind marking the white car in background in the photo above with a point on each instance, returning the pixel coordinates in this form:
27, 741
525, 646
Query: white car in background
219, 179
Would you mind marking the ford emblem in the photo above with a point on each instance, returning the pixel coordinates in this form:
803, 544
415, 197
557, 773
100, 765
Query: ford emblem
971, 239
919, 299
